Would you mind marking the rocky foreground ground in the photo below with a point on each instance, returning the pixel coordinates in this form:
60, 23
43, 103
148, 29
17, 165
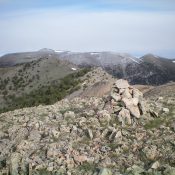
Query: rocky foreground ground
119, 134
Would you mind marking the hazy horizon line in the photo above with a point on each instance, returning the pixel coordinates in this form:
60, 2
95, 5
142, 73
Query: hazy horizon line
138, 55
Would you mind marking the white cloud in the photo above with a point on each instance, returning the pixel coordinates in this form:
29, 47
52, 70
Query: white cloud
133, 32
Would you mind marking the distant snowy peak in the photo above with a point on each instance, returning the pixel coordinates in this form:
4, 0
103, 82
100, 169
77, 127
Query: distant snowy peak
94, 53
59, 51
46, 50
136, 60
99, 58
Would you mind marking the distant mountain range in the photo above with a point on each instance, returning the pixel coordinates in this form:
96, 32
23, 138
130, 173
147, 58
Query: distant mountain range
149, 69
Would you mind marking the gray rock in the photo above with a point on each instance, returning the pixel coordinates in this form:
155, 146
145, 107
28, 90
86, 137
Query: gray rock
115, 96
165, 110
69, 115
104, 116
35, 136
170, 171
129, 104
155, 165
137, 94
122, 84
154, 114
135, 170
126, 94
14, 163
124, 117
90, 134
105, 171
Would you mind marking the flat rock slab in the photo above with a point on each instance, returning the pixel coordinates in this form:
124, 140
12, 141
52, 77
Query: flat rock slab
122, 84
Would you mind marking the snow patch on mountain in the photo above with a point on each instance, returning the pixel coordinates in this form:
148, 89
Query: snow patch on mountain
94, 53
134, 60
73, 68
59, 51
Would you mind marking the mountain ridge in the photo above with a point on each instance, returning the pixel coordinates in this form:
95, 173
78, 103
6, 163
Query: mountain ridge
148, 69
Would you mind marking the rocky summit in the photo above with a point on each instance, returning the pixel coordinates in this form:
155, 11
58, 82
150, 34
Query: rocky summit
117, 134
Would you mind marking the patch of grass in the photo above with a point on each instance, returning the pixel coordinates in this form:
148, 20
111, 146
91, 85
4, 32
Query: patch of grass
113, 146
47, 95
84, 141
164, 119
42, 172
154, 123
87, 167
42, 116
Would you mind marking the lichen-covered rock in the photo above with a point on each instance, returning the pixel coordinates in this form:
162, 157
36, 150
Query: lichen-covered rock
69, 115
165, 110
155, 165
151, 152
104, 116
15, 159
135, 170
105, 171
124, 117
122, 84
137, 94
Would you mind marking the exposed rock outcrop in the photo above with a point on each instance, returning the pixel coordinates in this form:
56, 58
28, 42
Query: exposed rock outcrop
94, 136
127, 102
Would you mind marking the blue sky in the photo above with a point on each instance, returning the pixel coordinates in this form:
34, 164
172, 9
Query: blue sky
134, 26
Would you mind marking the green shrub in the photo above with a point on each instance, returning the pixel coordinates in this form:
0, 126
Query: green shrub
47, 94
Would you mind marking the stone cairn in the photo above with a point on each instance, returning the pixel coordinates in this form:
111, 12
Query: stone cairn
127, 102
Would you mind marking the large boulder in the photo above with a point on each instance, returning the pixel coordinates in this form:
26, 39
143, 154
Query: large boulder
122, 84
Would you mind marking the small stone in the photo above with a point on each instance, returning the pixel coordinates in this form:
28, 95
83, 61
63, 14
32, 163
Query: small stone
80, 159
160, 98
14, 163
55, 133
155, 165
104, 116
151, 152
90, 134
135, 170
118, 136
124, 117
50, 169
165, 110
154, 114
173, 126
111, 137
69, 115
104, 133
